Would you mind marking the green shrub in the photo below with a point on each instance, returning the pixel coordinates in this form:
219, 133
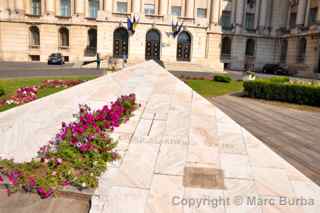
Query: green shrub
1, 91
222, 78
288, 92
279, 79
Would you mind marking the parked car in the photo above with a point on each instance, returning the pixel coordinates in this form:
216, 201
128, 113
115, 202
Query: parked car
276, 69
56, 58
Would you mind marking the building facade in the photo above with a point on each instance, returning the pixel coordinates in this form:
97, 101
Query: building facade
237, 34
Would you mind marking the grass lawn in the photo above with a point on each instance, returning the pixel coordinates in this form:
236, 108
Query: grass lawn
10, 86
209, 88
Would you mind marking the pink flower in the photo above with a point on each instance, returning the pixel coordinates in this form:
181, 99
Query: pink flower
44, 193
59, 161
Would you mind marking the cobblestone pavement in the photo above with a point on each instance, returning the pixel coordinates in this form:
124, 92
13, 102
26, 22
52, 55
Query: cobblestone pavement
177, 148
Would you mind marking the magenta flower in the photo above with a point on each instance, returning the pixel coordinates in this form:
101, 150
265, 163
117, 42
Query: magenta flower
44, 193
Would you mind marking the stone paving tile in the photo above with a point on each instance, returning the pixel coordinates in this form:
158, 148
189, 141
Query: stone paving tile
137, 166
238, 192
171, 159
121, 200
212, 201
163, 191
204, 155
236, 166
272, 182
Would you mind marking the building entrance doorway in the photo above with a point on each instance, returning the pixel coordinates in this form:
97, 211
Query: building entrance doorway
120, 43
153, 45
184, 47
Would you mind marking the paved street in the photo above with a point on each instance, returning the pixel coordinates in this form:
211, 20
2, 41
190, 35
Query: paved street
291, 133
27, 69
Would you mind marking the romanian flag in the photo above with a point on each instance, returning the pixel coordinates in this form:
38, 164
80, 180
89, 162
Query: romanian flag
129, 25
176, 29
135, 23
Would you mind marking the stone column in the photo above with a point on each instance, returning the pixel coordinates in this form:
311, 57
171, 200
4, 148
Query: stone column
19, 6
11, 5
284, 4
256, 21
233, 12
108, 6
306, 19
215, 9
301, 13
50, 7
136, 6
100, 5
288, 16
318, 14
163, 7
263, 14
239, 15
80, 5
190, 8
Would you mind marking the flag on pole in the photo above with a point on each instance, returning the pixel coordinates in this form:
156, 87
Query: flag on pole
177, 29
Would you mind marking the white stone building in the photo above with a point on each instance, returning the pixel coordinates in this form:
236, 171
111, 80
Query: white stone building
233, 33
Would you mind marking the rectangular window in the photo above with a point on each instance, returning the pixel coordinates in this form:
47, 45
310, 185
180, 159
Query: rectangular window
250, 21
226, 20
293, 18
34, 57
36, 7
122, 7
149, 9
313, 16
176, 10
93, 8
65, 7
201, 12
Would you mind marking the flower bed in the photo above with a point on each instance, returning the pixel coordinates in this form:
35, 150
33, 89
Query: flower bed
59, 83
23, 95
77, 155
27, 94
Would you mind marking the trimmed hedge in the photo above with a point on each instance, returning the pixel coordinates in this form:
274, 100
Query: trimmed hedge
279, 79
1, 91
287, 92
222, 78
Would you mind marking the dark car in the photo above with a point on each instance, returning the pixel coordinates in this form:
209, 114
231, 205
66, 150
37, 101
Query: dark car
56, 58
275, 69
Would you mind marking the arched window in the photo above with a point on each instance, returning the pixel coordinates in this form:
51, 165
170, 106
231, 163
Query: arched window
120, 43
184, 47
64, 37
283, 50
302, 46
65, 8
91, 49
93, 8
226, 47
250, 47
34, 36
153, 45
